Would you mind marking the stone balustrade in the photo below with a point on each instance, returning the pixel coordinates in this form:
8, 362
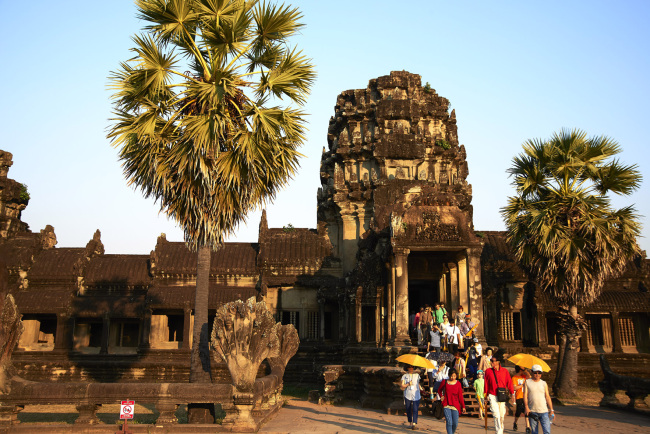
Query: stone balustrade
254, 408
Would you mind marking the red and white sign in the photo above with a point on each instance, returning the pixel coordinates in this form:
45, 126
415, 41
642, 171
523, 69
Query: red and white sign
127, 409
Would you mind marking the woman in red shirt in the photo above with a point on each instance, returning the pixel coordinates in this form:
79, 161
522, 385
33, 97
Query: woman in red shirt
452, 400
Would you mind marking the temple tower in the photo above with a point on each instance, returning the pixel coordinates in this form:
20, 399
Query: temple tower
395, 192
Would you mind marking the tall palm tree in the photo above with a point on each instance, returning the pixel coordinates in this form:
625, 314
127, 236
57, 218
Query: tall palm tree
207, 120
564, 231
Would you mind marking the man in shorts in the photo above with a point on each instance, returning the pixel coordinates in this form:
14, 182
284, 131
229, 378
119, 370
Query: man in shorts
518, 381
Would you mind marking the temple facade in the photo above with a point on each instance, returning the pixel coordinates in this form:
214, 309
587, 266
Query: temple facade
395, 231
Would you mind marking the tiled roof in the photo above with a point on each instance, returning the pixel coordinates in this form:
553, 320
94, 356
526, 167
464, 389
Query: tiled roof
176, 297
497, 256
608, 301
35, 301
55, 265
298, 247
231, 258
125, 270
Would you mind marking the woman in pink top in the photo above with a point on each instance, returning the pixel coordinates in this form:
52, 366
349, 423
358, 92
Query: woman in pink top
452, 400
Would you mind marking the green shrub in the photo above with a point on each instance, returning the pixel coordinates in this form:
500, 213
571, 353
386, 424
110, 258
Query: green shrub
24, 194
443, 144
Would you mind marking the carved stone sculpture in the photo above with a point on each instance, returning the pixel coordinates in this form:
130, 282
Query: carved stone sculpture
10, 330
244, 335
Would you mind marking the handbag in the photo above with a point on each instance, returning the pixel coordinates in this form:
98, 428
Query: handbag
464, 382
436, 410
502, 392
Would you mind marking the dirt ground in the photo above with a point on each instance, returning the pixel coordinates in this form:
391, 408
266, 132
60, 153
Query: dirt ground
300, 416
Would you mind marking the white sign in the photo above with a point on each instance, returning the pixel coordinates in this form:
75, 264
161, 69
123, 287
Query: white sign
127, 409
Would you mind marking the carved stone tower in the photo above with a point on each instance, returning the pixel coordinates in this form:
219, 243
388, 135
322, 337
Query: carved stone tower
395, 169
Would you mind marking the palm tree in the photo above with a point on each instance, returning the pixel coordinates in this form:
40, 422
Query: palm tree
564, 231
207, 120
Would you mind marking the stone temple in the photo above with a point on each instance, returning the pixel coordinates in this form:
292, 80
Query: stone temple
395, 231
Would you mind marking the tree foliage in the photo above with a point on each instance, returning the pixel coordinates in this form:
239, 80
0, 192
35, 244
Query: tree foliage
207, 117
561, 224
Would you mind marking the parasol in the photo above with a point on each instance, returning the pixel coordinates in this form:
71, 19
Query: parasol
440, 357
415, 360
528, 360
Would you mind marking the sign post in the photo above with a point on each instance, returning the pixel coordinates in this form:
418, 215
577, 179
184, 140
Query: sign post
127, 411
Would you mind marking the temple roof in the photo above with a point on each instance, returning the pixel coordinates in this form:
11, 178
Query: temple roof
295, 247
128, 270
56, 264
232, 258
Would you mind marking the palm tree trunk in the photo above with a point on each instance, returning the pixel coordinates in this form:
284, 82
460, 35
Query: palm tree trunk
200, 358
566, 381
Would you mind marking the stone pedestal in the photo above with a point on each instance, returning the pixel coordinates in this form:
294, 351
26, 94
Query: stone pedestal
167, 411
88, 414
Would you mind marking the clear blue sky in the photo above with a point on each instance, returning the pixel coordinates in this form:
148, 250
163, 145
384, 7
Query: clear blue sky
512, 70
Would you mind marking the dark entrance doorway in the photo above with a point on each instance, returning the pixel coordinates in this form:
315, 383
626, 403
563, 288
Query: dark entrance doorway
422, 292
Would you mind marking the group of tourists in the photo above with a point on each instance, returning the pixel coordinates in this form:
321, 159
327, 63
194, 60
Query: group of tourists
492, 383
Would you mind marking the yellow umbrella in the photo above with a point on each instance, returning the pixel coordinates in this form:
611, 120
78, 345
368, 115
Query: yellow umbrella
528, 360
415, 360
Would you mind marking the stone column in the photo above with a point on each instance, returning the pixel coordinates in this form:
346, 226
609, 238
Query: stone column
342, 318
616, 334
401, 297
463, 289
389, 312
357, 316
475, 290
106, 324
442, 288
452, 304
349, 243
187, 326
145, 330
64, 332
321, 320
378, 321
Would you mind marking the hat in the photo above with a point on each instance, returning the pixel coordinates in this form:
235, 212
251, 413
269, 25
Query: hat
480, 371
475, 339
536, 368
468, 315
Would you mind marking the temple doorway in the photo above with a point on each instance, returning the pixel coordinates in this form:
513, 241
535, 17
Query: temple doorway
425, 270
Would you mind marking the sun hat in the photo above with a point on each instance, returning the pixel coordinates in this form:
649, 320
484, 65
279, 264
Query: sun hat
536, 368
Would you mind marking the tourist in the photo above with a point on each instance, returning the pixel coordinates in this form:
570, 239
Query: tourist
518, 381
425, 322
440, 312
497, 385
442, 375
453, 402
467, 330
485, 363
434, 338
479, 388
411, 387
537, 402
453, 338
460, 316
431, 375
411, 322
416, 325
444, 326
459, 366
473, 355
